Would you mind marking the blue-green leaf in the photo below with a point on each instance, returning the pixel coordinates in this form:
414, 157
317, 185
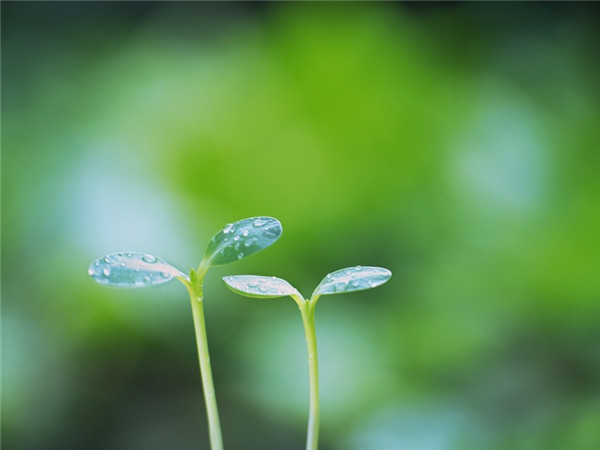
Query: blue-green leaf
129, 269
352, 279
259, 287
240, 239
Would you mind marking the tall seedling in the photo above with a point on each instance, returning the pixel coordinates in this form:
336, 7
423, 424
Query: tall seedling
235, 241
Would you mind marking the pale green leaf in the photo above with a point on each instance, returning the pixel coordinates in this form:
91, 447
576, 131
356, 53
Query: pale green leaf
128, 269
352, 279
259, 287
240, 239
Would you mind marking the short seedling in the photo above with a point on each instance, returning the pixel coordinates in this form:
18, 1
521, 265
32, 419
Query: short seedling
235, 241
345, 280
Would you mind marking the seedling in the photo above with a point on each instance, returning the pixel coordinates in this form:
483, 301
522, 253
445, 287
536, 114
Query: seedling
235, 241
345, 280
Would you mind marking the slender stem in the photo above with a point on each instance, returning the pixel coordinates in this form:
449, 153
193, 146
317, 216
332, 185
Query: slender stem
308, 319
214, 427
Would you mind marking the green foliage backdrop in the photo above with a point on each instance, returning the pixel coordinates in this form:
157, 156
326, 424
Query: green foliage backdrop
456, 144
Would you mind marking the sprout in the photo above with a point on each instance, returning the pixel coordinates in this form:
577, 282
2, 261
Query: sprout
341, 281
234, 242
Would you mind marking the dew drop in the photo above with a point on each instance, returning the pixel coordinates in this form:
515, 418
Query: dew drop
146, 280
228, 228
91, 271
240, 255
106, 271
252, 283
249, 242
354, 283
106, 259
357, 268
262, 289
151, 259
165, 274
129, 254
122, 264
262, 280
236, 238
259, 222
225, 240
245, 233
339, 287
96, 263
272, 232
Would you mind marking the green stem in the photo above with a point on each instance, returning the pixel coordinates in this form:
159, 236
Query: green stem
308, 319
214, 427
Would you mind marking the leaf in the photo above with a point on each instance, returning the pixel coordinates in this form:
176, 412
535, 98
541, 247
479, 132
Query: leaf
259, 287
240, 239
352, 279
132, 270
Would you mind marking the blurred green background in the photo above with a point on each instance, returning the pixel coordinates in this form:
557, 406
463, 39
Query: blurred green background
457, 144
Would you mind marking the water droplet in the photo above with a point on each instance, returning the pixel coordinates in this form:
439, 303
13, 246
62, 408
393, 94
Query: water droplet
129, 254
245, 233
120, 254
259, 222
228, 228
354, 283
348, 272
106, 271
249, 242
240, 255
236, 238
272, 231
262, 289
225, 240
371, 284
339, 287
273, 278
252, 283
122, 264
146, 280
91, 271
165, 274
357, 268
262, 280
151, 259
106, 259
236, 247
96, 263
